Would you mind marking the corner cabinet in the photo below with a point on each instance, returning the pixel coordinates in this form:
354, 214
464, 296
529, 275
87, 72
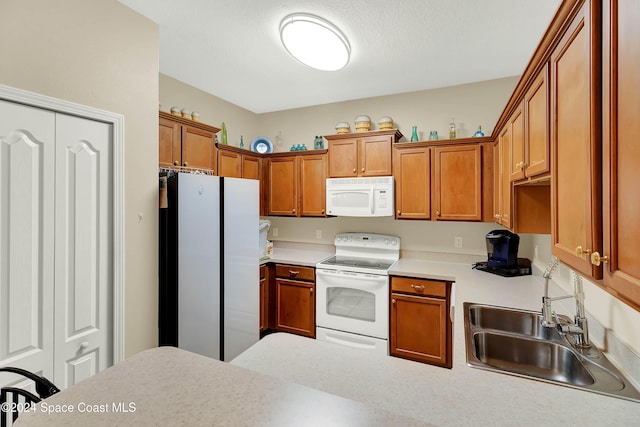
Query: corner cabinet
576, 208
238, 163
186, 143
421, 327
296, 184
361, 154
295, 308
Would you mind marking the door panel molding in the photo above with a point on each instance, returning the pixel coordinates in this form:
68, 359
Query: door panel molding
117, 172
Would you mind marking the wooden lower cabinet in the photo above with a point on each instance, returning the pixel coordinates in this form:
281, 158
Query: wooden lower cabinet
420, 323
295, 308
264, 299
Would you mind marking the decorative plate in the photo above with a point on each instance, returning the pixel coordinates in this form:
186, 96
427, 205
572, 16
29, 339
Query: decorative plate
262, 145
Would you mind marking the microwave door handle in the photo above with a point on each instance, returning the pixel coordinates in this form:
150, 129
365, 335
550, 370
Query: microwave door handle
371, 206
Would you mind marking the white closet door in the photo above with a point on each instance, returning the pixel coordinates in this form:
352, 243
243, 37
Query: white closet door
83, 248
27, 139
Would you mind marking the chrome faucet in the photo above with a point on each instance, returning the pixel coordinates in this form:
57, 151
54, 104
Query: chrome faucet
579, 327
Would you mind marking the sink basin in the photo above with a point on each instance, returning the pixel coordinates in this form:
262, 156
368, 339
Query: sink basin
536, 358
515, 342
510, 320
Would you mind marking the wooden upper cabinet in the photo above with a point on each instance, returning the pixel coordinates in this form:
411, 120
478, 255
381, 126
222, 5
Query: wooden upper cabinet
170, 144
576, 143
183, 142
229, 163
502, 180
364, 154
313, 179
297, 184
412, 171
621, 159
238, 163
374, 156
516, 157
343, 158
530, 132
536, 126
251, 167
457, 172
283, 186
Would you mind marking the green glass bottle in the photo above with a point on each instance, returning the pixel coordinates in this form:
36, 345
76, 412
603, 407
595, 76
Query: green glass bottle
414, 134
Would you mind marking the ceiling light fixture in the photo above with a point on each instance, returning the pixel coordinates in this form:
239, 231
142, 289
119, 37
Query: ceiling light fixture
314, 41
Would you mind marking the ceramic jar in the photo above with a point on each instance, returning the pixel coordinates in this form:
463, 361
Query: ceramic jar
363, 123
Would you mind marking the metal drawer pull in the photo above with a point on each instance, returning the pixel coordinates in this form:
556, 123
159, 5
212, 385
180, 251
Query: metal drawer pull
418, 287
293, 272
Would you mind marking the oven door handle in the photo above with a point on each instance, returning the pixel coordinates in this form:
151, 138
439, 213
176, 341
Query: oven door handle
365, 282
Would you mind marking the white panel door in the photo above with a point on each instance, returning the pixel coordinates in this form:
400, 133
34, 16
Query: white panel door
27, 138
83, 249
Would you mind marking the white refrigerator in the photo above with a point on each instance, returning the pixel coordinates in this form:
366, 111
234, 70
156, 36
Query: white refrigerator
208, 265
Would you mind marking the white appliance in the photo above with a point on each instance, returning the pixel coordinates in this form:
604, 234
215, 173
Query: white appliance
360, 196
352, 291
209, 277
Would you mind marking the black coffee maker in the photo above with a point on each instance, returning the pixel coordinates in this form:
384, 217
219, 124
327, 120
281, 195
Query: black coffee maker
502, 249
502, 253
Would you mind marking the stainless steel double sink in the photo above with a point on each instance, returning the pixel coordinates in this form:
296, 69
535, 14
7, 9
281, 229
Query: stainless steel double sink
515, 342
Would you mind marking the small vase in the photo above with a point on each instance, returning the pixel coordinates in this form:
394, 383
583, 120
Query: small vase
479, 132
433, 135
414, 134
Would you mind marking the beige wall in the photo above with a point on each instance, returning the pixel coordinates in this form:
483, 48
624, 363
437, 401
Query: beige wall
102, 54
471, 105
213, 110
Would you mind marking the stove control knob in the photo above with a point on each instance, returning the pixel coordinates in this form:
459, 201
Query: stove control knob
394, 242
386, 241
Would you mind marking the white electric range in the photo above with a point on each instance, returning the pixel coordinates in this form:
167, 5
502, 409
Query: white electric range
352, 291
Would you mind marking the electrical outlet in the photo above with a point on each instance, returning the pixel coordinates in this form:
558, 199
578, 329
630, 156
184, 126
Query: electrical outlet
274, 231
318, 234
457, 242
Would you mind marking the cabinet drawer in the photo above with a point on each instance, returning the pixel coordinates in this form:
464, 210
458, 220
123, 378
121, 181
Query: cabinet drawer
295, 272
419, 286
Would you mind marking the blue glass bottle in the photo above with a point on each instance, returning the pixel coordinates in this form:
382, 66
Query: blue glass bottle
479, 132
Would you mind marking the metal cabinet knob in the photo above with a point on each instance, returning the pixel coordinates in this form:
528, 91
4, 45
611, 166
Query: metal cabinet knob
186, 164
597, 259
580, 251
362, 169
176, 163
354, 170
398, 213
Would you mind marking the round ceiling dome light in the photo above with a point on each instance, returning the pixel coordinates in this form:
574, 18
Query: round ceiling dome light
314, 41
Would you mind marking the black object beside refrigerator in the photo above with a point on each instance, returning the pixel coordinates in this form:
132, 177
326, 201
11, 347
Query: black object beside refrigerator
208, 264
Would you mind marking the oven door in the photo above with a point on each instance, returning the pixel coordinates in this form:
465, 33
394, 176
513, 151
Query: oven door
353, 302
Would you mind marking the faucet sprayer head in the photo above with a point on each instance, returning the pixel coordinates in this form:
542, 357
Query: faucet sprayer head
550, 267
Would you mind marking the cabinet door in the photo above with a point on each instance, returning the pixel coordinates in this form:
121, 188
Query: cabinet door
283, 186
505, 179
457, 186
536, 113
374, 156
621, 149
250, 167
264, 299
343, 158
516, 150
169, 143
497, 182
575, 190
412, 171
313, 173
419, 328
229, 164
295, 307
198, 148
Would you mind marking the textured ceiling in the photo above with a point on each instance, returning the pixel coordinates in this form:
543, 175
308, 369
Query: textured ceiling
232, 49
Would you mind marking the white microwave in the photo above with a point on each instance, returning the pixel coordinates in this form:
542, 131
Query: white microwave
360, 196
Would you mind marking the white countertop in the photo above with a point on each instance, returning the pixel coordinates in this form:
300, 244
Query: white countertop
166, 386
299, 253
458, 396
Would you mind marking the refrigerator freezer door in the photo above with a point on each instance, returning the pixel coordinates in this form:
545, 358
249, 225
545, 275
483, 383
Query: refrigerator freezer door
241, 270
199, 264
